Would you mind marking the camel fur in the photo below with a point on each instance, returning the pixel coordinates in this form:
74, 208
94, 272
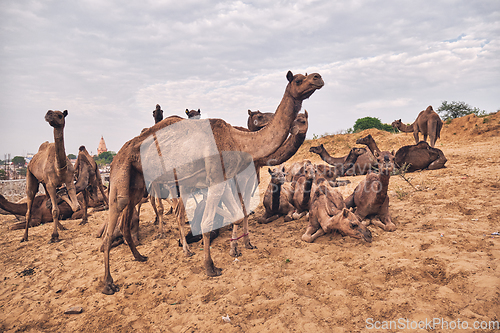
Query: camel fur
420, 157
258, 120
428, 123
370, 198
364, 161
52, 168
277, 199
328, 213
127, 182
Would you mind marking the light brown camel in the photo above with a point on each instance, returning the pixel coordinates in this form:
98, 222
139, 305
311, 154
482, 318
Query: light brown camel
52, 168
277, 199
428, 123
364, 160
193, 114
302, 187
420, 157
258, 120
370, 196
127, 178
328, 213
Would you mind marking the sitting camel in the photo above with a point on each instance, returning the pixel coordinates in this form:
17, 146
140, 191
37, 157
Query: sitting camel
370, 196
364, 160
328, 213
369, 142
193, 114
258, 120
52, 168
420, 157
277, 199
428, 123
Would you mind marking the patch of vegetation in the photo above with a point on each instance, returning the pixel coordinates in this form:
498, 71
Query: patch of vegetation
105, 158
371, 122
457, 109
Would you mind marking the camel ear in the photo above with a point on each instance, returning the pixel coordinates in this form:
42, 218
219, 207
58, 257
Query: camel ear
199, 111
289, 76
321, 145
392, 152
249, 112
376, 154
345, 212
307, 115
187, 111
65, 113
270, 171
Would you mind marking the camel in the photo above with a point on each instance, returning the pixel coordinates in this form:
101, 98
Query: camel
420, 157
302, 187
369, 142
139, 159
52, 168
277, 199
428, 123
258, 120
370, 197
193, 114
363, 165
328, 213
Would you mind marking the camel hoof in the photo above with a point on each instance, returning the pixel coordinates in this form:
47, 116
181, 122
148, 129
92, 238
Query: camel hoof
235, 253
24, 240
54, 240
214, 271
110, 289
250, 246
141, 258
188, 254
83, 222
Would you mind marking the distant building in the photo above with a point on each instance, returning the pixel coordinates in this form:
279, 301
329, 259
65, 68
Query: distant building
102, 147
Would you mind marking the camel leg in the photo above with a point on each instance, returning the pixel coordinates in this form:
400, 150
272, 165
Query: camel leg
180, 214
127, 219
265, 220
51, 190
312, 233
85, 205
161, 223
152, 200
31, 190
437, 164
210, 268
415, 135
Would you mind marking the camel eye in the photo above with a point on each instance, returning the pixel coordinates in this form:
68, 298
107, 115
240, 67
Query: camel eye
299, 82
353, 226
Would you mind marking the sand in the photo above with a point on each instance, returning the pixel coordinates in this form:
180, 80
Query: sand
440, 267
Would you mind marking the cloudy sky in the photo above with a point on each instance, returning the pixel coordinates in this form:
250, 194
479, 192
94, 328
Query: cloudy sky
110, 62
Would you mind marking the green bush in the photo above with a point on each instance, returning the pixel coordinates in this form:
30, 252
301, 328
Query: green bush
371, 122
454, 110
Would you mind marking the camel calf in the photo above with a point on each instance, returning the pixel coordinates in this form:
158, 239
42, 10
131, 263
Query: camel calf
328, 213
277, 198
370, 196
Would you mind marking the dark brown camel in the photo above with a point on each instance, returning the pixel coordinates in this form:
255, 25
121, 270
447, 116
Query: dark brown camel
420, 157
128, 182
369, 142
193, 114
258, 120
328, 213
277, 199
52, 168
364, 160
428, 123
370, 197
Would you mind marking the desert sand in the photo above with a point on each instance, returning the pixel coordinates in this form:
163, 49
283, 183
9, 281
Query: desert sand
442, 262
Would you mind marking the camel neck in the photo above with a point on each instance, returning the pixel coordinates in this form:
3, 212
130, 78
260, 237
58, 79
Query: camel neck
60, 151
406, 128
284, 152
275, 205
266, 141
307, 192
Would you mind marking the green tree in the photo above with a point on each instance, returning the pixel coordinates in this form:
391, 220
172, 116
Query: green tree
371, 122
2, 174
105, 158
457, 109
19, 161
72, 156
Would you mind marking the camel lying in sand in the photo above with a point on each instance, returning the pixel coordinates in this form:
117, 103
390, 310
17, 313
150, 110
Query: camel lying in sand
364, 162
370, 196
278, 197
328, 213
428, 123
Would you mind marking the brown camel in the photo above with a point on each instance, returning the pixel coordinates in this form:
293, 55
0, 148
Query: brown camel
370, 196
364, 160
420, 157
428, 123
136, 162
52, 168
258, 120
193, 114
277, 199
302, 187
328, 213
369, 142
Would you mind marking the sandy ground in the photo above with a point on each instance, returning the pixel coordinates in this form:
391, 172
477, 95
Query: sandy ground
442, 263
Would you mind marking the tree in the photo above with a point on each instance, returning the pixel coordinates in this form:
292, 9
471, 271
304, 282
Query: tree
72, 156
457, 109
371, 122
19, 161
105, 158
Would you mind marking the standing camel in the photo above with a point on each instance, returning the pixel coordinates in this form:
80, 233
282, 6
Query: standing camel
233, 148
428, 123
52, 168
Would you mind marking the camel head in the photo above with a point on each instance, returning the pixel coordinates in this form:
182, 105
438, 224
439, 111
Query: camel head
56, 118
385, 162
158, 114
396, 124
367, 139
351, 159
258, 120
278, 175
318, 149
193, 114
350, 225
301, 87
300, 124
309, 170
